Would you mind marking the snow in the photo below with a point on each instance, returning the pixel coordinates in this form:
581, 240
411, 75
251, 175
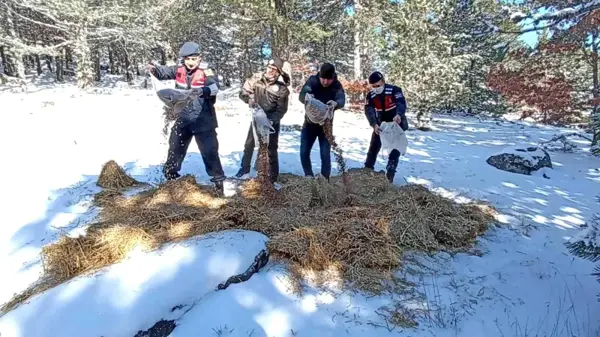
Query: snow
111, 303
519, 280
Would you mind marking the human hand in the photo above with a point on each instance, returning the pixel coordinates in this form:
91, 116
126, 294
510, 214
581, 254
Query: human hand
309, 97
397, 119
332, 104
377, 129
150, 68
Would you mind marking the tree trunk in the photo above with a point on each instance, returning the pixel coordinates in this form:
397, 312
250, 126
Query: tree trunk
111, 61
17, 67
38, 64
68, 61
49, 63
357, 28
96, 61
596, 89
128, 74
85, 72
3, 61
137, 68
280, 39
163, 56
59, 68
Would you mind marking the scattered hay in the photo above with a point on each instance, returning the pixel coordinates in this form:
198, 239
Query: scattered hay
266, 188
114, 177
337, 151
351, 234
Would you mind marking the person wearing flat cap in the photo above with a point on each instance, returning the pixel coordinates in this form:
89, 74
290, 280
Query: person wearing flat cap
384, 103
198, 120
325, 88
264, 89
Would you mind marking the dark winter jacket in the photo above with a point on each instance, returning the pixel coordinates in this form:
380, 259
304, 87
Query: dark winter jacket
273, 98
200, 112
334, 92
385, 106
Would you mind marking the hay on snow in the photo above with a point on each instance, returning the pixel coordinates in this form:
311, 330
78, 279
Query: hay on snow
358, 231
114, 177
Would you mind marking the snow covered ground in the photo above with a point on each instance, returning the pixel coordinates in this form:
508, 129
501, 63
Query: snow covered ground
521, 281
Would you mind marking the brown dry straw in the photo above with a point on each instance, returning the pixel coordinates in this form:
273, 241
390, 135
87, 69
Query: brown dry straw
264, 172
337, 150
354, 238
114, 177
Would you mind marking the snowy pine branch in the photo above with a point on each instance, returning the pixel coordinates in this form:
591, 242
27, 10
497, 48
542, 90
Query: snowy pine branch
587, 243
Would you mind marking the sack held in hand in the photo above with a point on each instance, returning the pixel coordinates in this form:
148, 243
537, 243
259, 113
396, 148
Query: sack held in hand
318, 112
393, 137
261, 126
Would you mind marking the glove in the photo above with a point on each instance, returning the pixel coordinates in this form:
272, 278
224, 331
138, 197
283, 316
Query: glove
332, 104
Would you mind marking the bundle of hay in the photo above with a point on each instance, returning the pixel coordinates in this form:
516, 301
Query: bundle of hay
354, 232
114, 177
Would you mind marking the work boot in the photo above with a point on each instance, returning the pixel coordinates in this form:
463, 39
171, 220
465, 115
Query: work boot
218, 181
219, 188
241, 174
391, 170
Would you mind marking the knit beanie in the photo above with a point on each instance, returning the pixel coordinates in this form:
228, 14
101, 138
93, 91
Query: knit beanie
327, 71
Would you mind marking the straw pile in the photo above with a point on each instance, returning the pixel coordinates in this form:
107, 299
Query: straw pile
317, 226
113, 177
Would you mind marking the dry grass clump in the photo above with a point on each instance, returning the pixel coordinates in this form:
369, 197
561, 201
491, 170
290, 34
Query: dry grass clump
114, 177
355, 232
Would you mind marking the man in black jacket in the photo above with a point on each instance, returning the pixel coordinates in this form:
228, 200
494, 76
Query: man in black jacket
197, 119
264, 90
325, 88
385, 103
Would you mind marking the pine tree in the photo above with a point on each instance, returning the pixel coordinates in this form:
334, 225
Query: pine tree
572, 30
587, 244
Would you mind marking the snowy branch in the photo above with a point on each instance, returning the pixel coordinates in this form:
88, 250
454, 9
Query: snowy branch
44, 13
35, 21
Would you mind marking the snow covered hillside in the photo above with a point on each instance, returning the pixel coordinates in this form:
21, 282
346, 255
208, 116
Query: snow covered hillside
518, 281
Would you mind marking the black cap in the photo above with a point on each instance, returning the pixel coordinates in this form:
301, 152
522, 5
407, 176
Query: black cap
375, 77
277, 63
327, 71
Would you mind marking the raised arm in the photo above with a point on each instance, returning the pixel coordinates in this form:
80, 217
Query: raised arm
164, 73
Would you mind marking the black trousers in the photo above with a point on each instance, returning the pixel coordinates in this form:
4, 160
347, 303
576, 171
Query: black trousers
309, 134
208, 144
374, 148
272, 149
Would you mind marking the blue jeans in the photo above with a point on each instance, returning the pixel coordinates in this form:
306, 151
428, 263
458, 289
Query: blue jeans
308, 136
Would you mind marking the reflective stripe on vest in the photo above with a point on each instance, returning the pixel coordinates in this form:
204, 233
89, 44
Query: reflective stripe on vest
198, 78
389, 102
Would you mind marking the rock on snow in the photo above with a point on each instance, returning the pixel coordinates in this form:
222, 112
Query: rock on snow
520, 159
